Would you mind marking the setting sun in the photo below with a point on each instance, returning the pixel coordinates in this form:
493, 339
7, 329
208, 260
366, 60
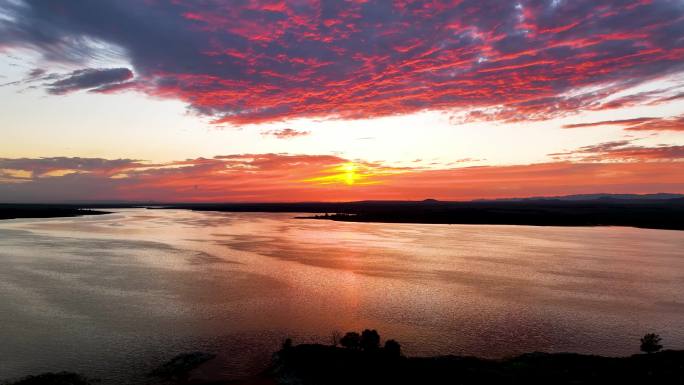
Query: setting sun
355, 173
347, 173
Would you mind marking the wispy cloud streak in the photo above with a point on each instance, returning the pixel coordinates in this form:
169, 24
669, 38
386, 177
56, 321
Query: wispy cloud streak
675, 123
286, 133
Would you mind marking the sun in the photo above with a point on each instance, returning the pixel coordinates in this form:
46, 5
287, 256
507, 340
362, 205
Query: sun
349, 173
353, 174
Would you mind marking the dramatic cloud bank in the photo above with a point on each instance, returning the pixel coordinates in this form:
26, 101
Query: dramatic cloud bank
608, 167
247, 61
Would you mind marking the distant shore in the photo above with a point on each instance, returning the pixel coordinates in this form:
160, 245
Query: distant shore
511, 219
17, 211
664, 214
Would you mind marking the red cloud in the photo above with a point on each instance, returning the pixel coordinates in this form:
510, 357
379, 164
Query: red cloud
623, 151
248, 61
639, 124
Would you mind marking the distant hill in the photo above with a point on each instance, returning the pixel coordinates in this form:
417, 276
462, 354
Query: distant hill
592, 197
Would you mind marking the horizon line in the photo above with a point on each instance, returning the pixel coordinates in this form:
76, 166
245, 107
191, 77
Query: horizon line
161, 203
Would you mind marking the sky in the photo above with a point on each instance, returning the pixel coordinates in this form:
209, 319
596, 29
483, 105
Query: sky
339, 100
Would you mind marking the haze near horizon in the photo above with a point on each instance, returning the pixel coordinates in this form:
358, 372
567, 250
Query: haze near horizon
286, 101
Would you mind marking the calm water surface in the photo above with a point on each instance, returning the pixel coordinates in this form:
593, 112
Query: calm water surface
112, 296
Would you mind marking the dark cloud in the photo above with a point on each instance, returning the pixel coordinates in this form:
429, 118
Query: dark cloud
92, 79
38, 167
246, 61
36, 73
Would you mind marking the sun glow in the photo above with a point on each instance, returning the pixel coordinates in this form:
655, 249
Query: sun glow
353, 173
349, 173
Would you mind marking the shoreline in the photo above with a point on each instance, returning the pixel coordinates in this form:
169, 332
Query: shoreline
318, 364
660, 215
331, 365
21, 211
361, 219
667, 214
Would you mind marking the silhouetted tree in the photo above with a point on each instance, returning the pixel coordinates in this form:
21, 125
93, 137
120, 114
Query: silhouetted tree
392, 348
650, 343
287, 343
335, 337
351, 340
370, 340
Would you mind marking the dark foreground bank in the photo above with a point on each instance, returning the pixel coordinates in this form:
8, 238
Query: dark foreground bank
371, 364
326, 365
14, 211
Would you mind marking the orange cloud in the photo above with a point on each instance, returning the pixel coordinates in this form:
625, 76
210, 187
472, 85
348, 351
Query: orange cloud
542, 179
287, 178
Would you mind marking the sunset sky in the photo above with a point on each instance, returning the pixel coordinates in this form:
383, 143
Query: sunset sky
301, 100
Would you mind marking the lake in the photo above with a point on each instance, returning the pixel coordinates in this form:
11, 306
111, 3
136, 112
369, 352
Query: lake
113, 296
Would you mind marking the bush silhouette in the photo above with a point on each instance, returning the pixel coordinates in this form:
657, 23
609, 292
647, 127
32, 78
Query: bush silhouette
392, 348
62, 378
650, 343
370, 340
181, 365
335, 337
351, 340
